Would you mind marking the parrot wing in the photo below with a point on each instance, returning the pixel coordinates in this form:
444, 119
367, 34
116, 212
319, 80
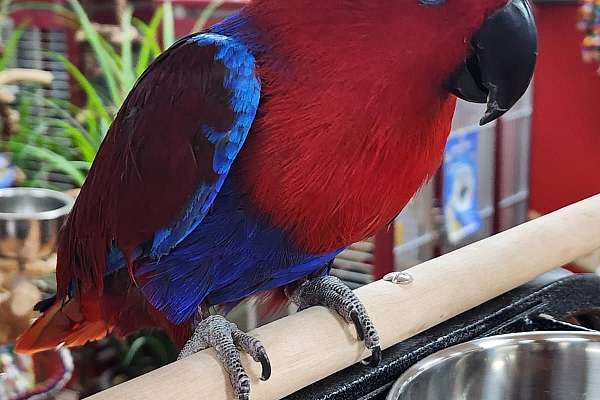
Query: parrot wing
235, 112
164, 160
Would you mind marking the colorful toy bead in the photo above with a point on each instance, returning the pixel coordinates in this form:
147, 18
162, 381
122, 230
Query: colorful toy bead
589, 22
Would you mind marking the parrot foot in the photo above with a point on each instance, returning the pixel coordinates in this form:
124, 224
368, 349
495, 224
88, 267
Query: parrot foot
226, 338
331, 292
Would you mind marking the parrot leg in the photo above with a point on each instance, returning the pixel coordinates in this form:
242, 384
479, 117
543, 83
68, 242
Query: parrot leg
225, 338
331, 292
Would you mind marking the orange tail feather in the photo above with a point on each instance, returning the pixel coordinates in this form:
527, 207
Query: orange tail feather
59, 325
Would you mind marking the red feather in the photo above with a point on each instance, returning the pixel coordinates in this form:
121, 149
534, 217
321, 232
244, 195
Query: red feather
348, 133
157, 157
122, 309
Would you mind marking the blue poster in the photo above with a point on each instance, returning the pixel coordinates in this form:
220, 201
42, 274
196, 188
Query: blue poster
461, 181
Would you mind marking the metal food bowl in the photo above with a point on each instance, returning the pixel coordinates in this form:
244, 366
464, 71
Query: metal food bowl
522, 366
30, 220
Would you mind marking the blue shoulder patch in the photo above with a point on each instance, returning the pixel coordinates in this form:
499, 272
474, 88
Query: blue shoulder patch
241, 80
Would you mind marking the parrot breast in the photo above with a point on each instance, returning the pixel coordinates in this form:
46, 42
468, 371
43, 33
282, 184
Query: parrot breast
334, 162
350, 126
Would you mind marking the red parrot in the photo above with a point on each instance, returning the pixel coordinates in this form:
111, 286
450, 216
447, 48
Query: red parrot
248, 156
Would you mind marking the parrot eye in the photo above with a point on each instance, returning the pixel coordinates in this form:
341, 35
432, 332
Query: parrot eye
432, 2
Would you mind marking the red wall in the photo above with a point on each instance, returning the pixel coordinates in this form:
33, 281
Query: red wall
566, 122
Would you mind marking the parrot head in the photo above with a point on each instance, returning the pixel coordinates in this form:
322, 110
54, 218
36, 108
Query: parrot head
489, 45
500, 58
479, 50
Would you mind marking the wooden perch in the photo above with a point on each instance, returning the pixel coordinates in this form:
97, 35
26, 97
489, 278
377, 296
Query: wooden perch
315, 343
114, 33
16, 75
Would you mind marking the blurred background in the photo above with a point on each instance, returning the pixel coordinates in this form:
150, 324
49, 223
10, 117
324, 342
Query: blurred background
66, 67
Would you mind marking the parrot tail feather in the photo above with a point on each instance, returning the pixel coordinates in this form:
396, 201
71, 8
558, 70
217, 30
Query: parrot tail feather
62, 325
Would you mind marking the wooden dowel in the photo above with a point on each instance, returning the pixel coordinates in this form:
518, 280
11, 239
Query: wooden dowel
315, 343
15, 75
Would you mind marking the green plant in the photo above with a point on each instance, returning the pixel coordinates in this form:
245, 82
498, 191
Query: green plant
31, 142
10, 47
83, 128
7, 54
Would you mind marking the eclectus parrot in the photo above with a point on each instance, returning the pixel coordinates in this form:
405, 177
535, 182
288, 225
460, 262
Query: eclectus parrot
248, 156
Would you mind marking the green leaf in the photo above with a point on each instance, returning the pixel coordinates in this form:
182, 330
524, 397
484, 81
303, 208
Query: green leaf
55, 160
83, 165
206, 14
10, 47
87, 150
106, 62
92, 95
127, 73
63, 108
150, 48
112, 53
168, 25
97, 131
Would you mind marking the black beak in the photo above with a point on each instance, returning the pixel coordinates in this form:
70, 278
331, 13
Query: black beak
500, 67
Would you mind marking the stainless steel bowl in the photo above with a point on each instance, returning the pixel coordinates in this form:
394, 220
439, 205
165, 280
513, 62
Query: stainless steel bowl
524, 366
30, 220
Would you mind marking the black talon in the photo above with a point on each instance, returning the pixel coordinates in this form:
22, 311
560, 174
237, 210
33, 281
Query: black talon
359, 328
266, 366
331, 292
375, 356
228, 341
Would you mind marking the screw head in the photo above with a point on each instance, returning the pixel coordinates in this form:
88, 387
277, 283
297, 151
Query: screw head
399, 278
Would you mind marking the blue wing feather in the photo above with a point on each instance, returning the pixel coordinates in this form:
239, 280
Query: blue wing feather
233, 254
241, 80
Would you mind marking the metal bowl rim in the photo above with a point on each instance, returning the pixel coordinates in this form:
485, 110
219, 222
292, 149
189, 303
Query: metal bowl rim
37, 192
483, 344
